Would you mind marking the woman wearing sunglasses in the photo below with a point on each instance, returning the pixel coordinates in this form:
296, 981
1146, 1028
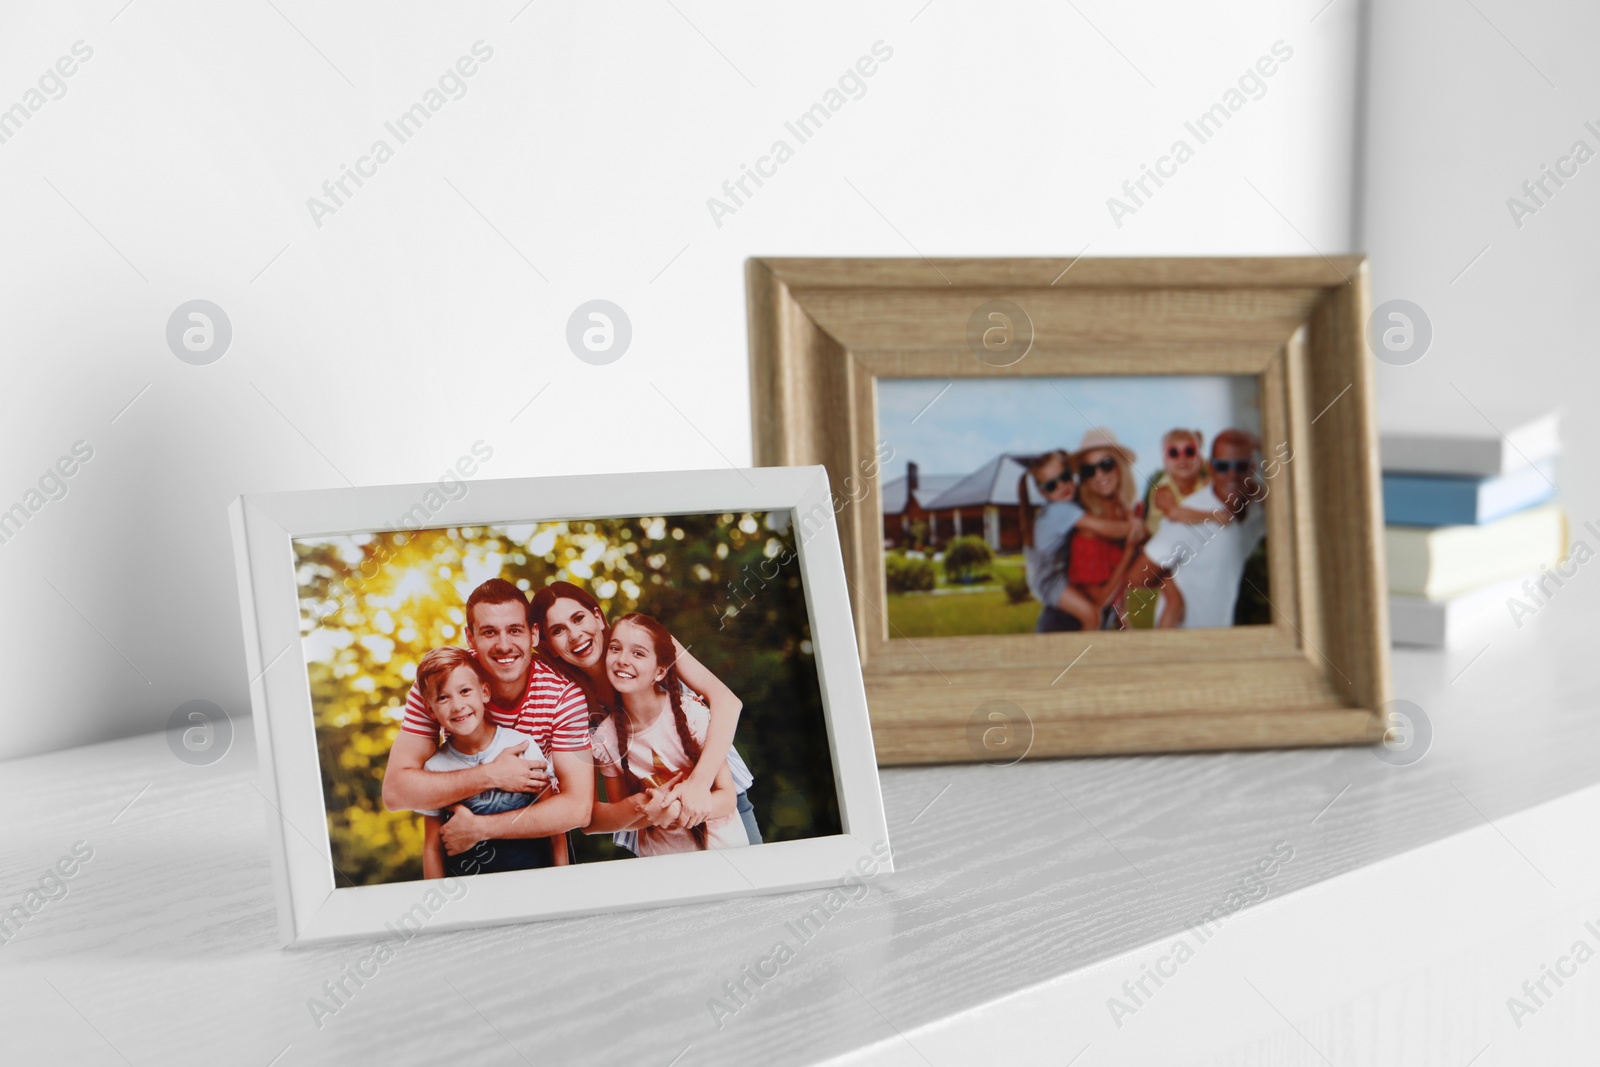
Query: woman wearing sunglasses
1098, 565
1045, 542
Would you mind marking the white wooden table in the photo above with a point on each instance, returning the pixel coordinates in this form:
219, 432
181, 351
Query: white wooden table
1016, 885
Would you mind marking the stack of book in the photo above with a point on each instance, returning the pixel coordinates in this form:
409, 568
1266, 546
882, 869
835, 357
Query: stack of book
1473, 529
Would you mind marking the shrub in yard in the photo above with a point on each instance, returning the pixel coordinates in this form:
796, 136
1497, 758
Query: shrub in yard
1016, 587
907, 574
967, 559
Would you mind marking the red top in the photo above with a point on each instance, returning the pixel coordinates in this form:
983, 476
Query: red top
1093, 559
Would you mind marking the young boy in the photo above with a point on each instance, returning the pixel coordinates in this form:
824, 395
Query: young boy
456, 687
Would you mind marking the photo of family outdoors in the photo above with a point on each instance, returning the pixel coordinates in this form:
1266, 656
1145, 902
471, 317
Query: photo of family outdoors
511, 697
1062, 504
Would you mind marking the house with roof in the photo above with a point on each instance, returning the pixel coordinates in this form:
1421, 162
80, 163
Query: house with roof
984, 504
905, 508
980, 504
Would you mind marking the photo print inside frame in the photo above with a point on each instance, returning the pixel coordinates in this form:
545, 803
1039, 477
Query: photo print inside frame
1054, 504
458, 643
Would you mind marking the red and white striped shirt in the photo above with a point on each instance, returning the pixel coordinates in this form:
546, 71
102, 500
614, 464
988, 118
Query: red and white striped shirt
553, 712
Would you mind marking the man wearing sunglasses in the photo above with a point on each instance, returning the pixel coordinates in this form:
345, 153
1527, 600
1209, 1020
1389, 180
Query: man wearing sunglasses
1206, 559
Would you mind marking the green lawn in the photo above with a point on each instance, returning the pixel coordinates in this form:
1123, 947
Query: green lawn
986, 612
956, 610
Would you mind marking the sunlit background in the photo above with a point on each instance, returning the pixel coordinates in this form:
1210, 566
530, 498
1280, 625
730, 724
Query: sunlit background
373, 604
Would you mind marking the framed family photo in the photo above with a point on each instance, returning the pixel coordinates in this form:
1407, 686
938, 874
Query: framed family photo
1090, 506
531, 698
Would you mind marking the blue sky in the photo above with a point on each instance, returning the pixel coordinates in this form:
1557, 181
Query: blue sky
978, 417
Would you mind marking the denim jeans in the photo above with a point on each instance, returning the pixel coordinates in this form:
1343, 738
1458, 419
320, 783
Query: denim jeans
1052, 620
747, 815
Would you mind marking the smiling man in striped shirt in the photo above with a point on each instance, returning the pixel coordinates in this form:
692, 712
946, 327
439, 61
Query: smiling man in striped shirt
528, 696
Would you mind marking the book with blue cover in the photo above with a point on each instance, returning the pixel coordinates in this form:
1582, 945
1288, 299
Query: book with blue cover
1441, 500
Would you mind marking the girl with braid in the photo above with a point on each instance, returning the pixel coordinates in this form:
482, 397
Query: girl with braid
649, 742
571, 629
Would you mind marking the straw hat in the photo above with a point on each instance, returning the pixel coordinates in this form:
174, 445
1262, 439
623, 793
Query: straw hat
1102, 439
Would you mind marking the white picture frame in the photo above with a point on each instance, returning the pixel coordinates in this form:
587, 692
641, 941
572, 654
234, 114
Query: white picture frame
311, 908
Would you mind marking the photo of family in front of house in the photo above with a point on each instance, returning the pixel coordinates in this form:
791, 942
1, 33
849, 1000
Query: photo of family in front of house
1063, 504
508, 698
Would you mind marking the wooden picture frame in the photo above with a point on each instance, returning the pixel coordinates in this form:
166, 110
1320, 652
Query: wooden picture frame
825, 332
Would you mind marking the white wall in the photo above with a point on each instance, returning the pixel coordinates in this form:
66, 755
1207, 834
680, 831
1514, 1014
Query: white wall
380, 346
1467, 102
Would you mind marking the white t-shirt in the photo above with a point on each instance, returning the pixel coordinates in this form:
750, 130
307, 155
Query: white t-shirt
1207, 560
742, 780
490, 801
654, 755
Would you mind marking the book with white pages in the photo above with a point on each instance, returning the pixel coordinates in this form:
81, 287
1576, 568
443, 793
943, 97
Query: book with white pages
1442, 561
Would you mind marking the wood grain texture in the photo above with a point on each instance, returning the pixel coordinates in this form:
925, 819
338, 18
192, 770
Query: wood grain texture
1302, 494
1289, 542
824, 332
891, 318
1087, 273
163, 951
939, 656
1275, 980
1056, 357
1352, 582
